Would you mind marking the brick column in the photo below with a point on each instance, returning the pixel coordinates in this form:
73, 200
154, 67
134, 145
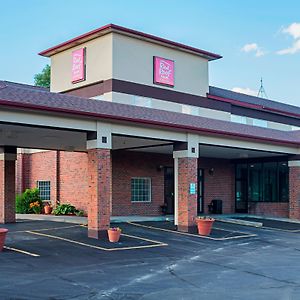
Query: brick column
7, 185
294, 189
100, 192
187, 200
186, 179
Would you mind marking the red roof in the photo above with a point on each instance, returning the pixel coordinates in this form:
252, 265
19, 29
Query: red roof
138, 34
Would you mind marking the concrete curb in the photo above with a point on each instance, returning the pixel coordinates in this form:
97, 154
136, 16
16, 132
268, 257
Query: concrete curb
240, 222
84, 220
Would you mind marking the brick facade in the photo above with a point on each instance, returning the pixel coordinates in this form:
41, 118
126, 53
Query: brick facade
99, 192
128, 164
294, 192
220, 184
7, 191
280, 210
187, 202
69, 182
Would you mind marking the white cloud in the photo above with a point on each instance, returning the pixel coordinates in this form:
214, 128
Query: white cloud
293, 30
291, 50
246, 91
253, 47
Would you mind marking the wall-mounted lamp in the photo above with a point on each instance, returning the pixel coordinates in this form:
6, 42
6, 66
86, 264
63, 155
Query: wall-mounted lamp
211, 171
159, 168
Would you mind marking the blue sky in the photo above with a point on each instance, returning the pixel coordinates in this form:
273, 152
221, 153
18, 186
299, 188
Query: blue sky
256, 38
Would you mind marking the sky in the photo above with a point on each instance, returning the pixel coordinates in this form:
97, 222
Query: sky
256, 38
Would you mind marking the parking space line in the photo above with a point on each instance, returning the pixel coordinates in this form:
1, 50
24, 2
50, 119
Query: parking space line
195, 235
158, 244
45, 229
21, 251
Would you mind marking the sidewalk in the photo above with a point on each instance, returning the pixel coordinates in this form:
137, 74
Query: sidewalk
84, 221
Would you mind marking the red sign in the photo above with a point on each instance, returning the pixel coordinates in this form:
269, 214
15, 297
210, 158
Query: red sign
78, 65
164, 71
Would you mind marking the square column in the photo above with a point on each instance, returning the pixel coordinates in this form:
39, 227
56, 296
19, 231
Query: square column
8, 185
100, 192
99, 146
186, 179
294, 189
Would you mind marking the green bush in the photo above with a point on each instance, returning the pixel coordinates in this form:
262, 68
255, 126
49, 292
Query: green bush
23, 201
65, 209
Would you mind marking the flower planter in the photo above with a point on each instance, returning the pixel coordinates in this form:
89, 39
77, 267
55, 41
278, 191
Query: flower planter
204, 225
114, 234
3, 232
48, 209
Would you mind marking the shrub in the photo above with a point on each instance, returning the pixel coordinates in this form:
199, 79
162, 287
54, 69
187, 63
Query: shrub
65, 209
24, 200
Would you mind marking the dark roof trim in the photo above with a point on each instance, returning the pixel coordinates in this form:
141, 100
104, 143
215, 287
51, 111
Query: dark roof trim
253, 106
147, 122
112, 27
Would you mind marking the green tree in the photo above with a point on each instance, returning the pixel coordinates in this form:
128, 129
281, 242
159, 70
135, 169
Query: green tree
43, 78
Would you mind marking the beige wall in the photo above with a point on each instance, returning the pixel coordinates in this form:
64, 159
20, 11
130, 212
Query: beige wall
98, 64
133, 61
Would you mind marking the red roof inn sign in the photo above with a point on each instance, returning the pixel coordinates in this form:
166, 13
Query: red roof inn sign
78, 65
163, 71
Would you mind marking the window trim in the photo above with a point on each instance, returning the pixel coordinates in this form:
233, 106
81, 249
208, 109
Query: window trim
150, 190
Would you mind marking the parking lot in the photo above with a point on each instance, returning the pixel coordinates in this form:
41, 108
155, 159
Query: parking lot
52, 260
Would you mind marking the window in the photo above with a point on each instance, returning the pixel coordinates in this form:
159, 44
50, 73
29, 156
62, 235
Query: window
270, 182
262, 182
142, 101
260, 123
44, 189
140, 189
191, 110
238, 119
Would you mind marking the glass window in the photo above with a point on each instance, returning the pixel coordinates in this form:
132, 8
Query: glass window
142, 101
255, 180
260, 123
238, 119
283, 182
262, 182
270, 182
191, 110
44, 189
140, 189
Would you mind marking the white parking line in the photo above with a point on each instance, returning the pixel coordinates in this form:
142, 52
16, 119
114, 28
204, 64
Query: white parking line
157, 244
21, 251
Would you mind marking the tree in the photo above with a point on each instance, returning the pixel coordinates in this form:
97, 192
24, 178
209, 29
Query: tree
43, 78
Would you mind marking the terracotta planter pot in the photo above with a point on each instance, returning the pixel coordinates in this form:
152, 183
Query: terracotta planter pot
204, 226
113, 235
48, 209
3, 232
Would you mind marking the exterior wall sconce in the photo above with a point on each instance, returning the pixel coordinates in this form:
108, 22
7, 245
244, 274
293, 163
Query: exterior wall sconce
211, 171
159, 168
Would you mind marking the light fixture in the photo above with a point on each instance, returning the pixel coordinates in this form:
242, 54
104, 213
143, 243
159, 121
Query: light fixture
211, 171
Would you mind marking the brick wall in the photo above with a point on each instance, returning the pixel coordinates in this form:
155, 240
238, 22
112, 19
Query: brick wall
137, 164
73, 187
270, 209
73, 181
219, 185
294, 192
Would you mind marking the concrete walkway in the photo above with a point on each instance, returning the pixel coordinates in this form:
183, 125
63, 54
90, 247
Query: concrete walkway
83, 220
